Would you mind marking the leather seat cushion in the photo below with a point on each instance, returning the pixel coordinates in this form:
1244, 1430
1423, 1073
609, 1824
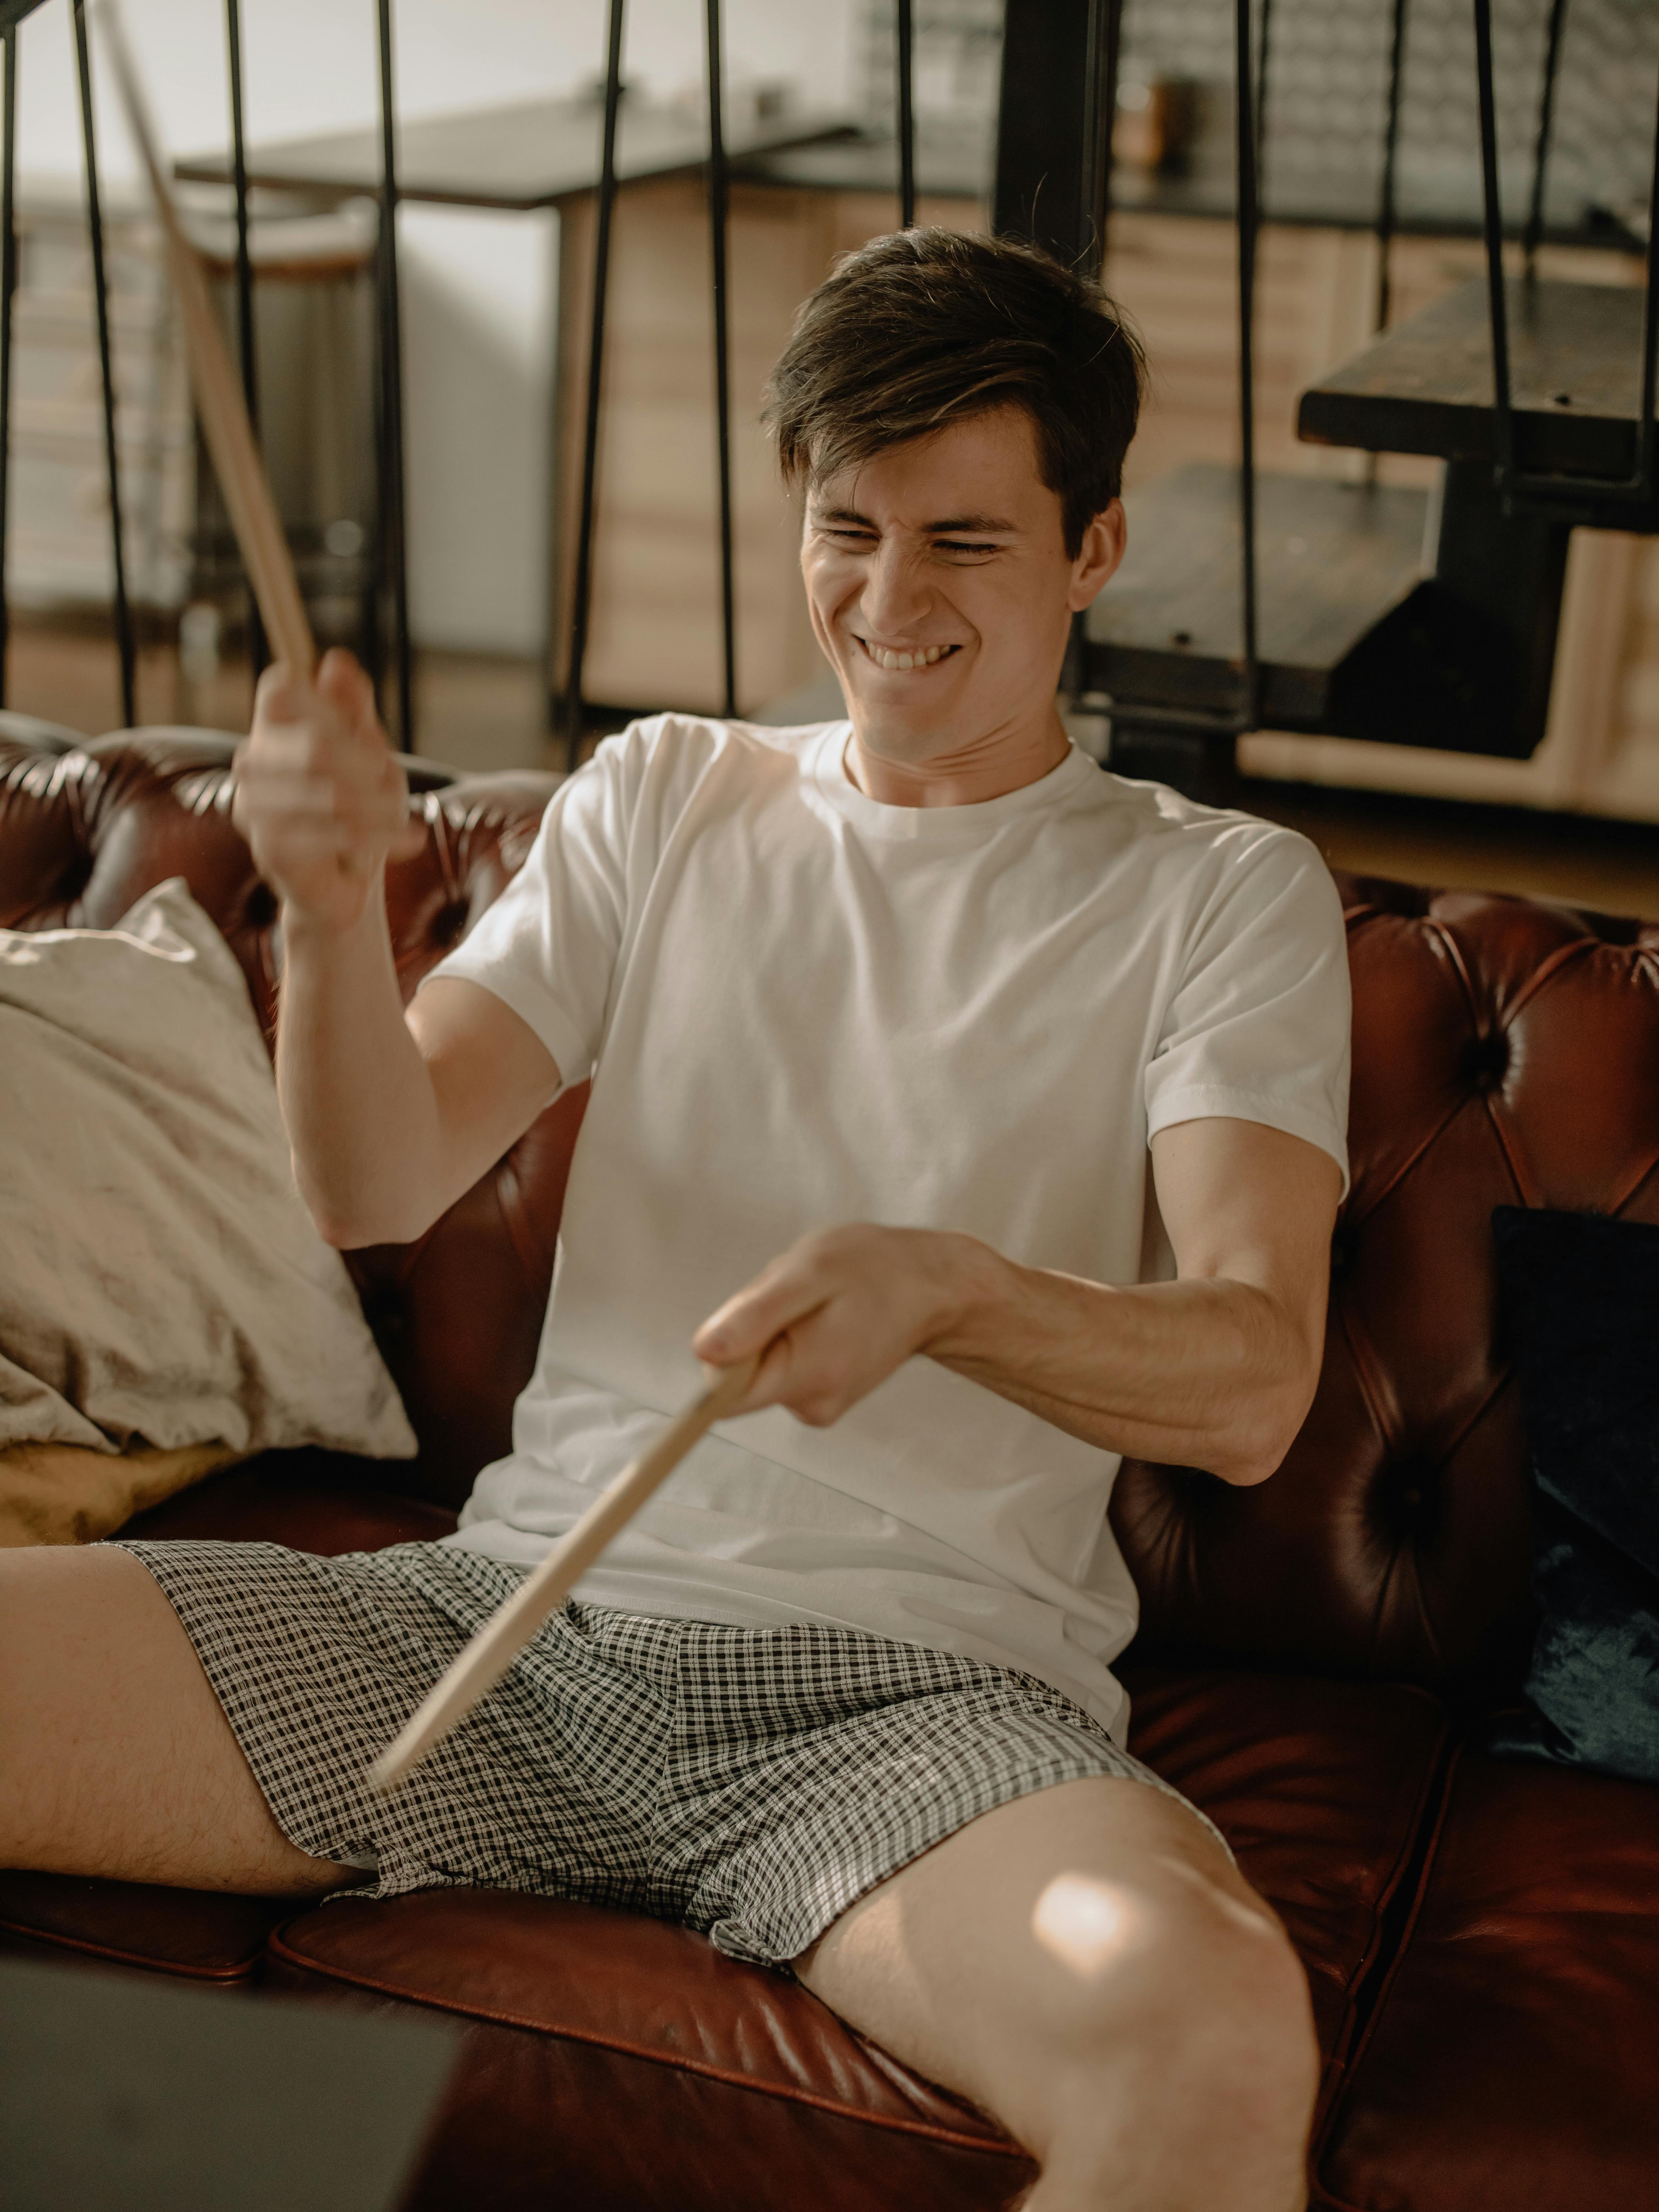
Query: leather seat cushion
1514, 2057
202, 1934
617, 2062
720, 2081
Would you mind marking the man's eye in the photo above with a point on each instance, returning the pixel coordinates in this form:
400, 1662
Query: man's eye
852, 536
961, 546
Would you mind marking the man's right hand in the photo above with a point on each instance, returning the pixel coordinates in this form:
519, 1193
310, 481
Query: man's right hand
320, 794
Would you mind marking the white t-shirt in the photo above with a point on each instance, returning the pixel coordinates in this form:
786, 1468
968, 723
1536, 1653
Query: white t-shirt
802, 1007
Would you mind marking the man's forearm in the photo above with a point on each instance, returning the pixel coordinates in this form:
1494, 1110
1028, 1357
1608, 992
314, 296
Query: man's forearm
1206, 1372
357, 1096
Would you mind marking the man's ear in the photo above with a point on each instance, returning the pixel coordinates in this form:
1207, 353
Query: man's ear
1102, 548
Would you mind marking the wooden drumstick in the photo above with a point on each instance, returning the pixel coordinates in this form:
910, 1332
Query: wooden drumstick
219, 398
486, 1657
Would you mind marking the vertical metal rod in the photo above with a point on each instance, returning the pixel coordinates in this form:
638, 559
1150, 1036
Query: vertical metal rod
393, 513
256, 635
907, 114
1100, 207
1386, 204
1102, 41
7, 293
1492, 216
370, 627
581, 596
717, 226
1101, 46
1534, 230
1645, 423
1263, 45
1245, 126
123, 638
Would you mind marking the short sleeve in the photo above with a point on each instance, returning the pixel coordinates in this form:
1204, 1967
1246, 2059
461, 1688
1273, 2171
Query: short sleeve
1256, 1029
549, 946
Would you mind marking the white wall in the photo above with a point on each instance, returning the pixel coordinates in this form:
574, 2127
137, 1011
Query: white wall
479, 288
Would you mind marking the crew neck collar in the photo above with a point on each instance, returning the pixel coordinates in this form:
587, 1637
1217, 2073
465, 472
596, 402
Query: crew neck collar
828, 782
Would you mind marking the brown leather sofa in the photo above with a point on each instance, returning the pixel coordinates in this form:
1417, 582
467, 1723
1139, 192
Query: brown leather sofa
1315, 1661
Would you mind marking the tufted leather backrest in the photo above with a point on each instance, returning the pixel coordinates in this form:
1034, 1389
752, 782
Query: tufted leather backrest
459, 1314
1504, 1051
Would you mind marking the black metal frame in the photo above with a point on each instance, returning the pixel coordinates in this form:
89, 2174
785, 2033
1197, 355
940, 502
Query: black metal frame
905, 28
257, 652
717, 196
1263, 47
1249, 225
1103, 52
1060, 61
574, 709
393, 549
1517, 486
1054, 125
1387, 208
1533, 234
125, 644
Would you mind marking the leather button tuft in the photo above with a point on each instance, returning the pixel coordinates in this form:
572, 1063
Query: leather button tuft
260, 911
449, 923
1486, 1060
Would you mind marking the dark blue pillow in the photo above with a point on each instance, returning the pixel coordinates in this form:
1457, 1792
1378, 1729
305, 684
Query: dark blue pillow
1580, 1301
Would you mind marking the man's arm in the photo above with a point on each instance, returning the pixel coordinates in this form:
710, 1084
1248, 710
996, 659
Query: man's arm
391, 1116
1216, 1370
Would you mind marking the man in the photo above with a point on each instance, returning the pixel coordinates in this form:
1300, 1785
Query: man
887, 1021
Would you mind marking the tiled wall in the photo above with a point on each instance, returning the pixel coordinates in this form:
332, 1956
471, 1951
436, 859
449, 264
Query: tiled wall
1327, 86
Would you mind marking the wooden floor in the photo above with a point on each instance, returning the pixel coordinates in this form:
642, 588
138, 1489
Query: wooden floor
477, 713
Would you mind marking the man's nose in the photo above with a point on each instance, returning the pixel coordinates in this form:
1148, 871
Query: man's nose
895, 593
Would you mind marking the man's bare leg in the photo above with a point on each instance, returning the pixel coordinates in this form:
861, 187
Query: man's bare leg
115, 1757
1086, 1966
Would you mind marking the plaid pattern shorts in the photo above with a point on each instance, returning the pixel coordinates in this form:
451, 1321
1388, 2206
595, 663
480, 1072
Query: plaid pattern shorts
749, 1782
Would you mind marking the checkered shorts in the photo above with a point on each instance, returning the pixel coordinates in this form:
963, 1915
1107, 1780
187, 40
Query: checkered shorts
749, 1782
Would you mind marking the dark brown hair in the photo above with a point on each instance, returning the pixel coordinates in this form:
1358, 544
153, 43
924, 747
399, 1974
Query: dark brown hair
927, 327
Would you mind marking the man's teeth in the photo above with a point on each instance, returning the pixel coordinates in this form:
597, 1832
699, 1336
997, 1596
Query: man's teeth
925, 659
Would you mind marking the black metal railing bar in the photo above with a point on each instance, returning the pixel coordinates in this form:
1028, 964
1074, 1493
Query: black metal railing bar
1388, 197
1103, 51
392, 512
257, 653
1534, 232
1263, 51
582, 594
124, 636
718, 228
1248, 225
1514, 482
906, 113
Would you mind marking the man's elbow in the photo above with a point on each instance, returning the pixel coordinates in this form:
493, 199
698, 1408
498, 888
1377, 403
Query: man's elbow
354, 1225
1255, 1443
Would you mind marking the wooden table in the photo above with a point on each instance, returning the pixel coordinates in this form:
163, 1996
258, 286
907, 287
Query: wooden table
517, 159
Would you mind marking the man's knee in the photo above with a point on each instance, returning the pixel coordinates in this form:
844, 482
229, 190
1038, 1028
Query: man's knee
1184, 1995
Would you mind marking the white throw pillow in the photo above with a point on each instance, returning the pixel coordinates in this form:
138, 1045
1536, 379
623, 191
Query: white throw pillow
160, 1280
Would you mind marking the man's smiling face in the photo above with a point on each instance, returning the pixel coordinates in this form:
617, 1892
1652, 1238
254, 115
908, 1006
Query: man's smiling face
941, 589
